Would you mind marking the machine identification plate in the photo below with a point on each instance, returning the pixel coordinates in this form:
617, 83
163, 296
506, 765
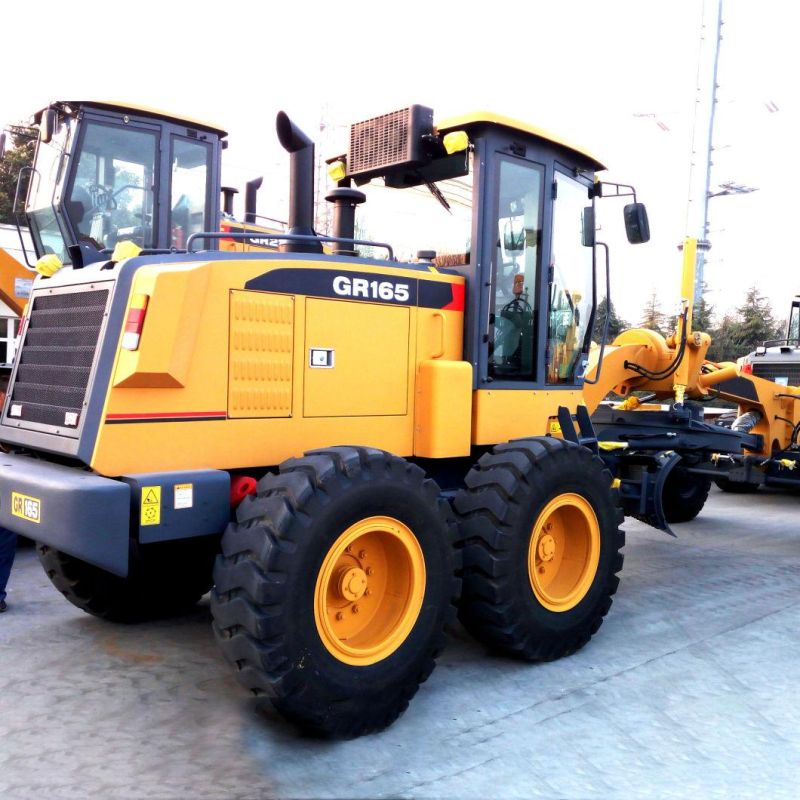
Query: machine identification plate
151, 505
29, 508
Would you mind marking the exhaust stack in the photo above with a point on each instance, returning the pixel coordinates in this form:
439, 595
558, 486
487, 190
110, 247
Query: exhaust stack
301, 184
250, 192
227, 199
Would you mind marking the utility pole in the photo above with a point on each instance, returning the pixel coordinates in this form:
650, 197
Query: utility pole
698, 227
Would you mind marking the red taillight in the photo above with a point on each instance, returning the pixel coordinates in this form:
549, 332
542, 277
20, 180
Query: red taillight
135, 322
747, 369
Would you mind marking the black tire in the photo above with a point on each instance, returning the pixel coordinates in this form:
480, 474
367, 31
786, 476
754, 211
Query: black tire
264, 598
506, 492
735, 487
164, 579
684, 495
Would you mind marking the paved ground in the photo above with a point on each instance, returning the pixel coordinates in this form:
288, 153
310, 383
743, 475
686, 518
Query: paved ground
689, 690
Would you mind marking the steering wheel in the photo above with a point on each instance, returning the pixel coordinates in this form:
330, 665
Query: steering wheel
102, 198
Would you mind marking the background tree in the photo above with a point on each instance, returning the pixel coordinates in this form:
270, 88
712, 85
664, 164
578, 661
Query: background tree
703, 313
653, 318
615, 323
19, 154
726, 343
756, 321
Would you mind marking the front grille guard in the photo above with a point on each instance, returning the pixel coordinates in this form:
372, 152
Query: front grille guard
49, 393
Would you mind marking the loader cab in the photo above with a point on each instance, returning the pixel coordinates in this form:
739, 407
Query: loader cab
104, 173
512, 211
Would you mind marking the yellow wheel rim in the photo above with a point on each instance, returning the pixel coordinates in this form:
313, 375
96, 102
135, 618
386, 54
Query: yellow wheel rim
564, 552
369, 591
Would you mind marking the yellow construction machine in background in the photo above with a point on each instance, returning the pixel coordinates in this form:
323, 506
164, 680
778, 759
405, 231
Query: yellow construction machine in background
759, 447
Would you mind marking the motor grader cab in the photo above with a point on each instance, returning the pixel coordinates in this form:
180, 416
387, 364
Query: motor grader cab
106, 173
338, 421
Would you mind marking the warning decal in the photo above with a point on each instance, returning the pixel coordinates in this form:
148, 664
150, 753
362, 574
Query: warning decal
183, 495
151, 505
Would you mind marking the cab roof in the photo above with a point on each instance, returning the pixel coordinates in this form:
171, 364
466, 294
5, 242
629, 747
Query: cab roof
476, 118
139, 110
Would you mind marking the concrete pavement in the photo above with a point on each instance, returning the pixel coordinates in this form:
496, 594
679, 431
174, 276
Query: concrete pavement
690, 689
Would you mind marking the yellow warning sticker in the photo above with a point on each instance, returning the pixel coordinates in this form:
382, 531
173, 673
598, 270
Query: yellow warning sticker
555, 428
151, 505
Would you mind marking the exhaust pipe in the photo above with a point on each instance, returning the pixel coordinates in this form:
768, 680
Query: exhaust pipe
250, 192
227, 199
301, 184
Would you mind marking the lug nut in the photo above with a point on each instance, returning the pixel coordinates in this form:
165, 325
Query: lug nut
339, 616
362, 554
367, 592
542, 570
356, 609
369, 570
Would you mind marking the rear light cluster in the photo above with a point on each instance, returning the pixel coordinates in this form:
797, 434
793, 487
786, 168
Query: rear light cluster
135, 322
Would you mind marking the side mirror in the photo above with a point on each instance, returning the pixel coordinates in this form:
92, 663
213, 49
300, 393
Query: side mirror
2, 145
637, 226
47, 127
588, 227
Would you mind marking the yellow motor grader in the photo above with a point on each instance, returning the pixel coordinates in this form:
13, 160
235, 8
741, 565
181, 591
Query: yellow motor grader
362, 435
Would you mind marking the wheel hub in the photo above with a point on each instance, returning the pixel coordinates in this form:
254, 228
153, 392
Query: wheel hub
564, 552
369, 590
352, 583
547, 547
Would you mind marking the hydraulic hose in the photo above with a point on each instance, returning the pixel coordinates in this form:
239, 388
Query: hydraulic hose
669, 370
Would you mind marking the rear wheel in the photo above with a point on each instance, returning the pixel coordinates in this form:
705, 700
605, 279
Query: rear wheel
334, 588
164, 579
684, 495
539, 524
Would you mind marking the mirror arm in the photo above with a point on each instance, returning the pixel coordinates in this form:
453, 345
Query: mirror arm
597, 190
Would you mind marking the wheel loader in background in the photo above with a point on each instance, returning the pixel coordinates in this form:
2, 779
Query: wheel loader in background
365, 439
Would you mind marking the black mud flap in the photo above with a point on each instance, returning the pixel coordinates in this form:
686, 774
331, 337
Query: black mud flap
641, 488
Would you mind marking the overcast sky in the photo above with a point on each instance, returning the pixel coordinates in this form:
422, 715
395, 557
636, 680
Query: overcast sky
587, 69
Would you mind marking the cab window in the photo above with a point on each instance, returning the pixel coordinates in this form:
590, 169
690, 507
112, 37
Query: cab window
191, 163
516, 266
111, 197
570, 290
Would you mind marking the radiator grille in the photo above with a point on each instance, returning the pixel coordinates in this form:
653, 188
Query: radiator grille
56, 358
770, 372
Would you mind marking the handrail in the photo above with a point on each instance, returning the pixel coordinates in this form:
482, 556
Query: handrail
289, 237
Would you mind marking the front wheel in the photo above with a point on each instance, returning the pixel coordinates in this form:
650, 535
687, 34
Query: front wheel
539, 523
735, 487
334, 588
684, 495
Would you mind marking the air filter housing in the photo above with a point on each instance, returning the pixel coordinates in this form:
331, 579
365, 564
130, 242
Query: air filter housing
383, 144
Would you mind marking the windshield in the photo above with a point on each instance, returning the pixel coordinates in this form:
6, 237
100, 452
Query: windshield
793, 329
48, 172
111, 198
571, 291
413, 219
